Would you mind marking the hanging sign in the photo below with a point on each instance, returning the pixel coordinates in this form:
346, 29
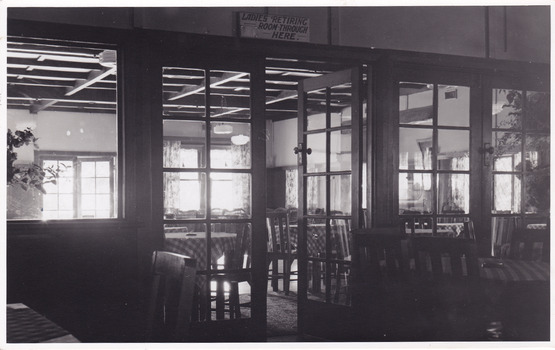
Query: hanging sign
274, 27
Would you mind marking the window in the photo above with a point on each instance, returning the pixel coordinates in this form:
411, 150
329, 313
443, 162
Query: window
434, 156
84, 189
65, 93
521, 164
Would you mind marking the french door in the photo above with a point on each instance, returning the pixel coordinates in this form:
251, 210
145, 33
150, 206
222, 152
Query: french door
440, 155
330, 175
209, 176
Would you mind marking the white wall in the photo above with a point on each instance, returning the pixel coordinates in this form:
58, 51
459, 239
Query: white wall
88, 132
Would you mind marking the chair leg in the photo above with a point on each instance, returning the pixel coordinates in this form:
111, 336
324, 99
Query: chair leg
286, 275
220, 300
275, 273
234, 306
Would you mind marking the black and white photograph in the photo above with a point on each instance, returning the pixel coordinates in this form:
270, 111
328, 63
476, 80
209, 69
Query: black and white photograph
299, 175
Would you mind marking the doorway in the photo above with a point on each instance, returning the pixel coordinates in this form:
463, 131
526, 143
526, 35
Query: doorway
330, 119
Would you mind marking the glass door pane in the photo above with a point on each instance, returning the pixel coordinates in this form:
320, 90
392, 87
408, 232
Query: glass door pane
207, 174
434, 157
520, 163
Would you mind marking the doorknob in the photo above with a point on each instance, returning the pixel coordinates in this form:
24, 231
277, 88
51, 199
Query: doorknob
486, 152
300, 149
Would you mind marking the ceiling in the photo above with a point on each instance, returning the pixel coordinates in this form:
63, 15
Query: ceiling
53, 76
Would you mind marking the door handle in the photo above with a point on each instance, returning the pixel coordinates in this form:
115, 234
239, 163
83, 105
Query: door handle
486, 152
299, 150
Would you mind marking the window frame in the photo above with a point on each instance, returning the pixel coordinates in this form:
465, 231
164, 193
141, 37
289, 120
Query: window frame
78, 158
108, 38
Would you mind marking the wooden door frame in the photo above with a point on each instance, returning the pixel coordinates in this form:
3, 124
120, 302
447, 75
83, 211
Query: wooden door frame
355, 76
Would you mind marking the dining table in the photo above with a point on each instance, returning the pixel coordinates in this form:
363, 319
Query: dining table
193, 244
25, 325
518, 291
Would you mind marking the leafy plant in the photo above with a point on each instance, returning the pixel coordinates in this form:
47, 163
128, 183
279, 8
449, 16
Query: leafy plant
33, 176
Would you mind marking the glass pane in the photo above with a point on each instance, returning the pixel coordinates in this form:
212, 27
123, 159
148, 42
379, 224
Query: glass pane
230, 146
65, 185
453, 150
415, 149
50, 202
187, 239
341, 244
340, 194
340, 150
88, 185
453, 105
316, 109
316, 161
316, 249
88, 202
102, 185
88, 169
184, 144
316, 195
507, 152
184, 92
291, 188
415, 193
103, 169
506, 109
316, 237
184, 198
230, 94
225, 255
537, 152
537, 111
102, 202
536, 193
416, 103
231, 192
66, 202
453, 193
506, 194
340, 105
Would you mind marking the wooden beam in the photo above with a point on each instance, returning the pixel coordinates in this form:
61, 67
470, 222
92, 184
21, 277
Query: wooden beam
94, 76
214, 81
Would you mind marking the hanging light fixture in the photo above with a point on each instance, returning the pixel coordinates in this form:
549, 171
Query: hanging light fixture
240, 139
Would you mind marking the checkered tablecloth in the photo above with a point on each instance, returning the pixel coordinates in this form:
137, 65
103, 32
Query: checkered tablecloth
512, 271
316, 239
25, 325
193, 244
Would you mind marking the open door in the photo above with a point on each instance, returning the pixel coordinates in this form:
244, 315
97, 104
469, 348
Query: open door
330, 176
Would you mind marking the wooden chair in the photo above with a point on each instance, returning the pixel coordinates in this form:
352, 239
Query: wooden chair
236, 270
280, 248
452, 304
341, 242
171, 299
382, 288
523, 241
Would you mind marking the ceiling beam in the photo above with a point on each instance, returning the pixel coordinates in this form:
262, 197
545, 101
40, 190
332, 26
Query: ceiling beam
214, 81
94, 76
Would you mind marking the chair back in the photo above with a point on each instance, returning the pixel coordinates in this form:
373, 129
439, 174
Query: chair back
341, 229
523, 244
378, 255
171, 299
279, 235
439, 258
240, 257
502, 230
